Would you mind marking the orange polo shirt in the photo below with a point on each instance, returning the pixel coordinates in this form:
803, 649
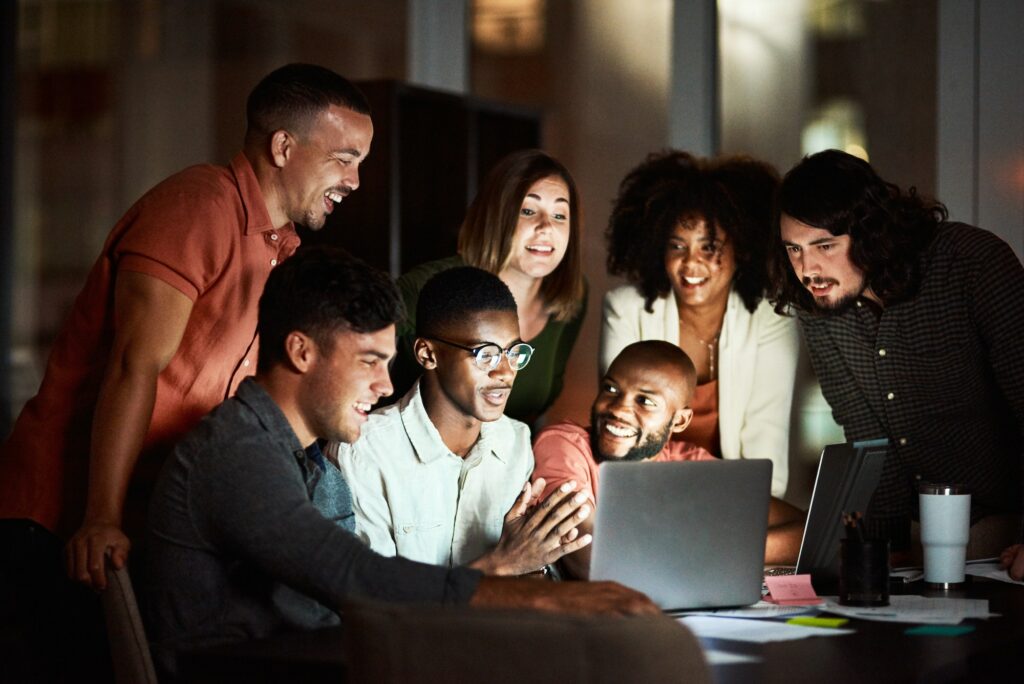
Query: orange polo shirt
562, 452
206, 232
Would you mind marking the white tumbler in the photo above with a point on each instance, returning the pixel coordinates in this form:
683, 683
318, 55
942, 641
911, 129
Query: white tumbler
945, 530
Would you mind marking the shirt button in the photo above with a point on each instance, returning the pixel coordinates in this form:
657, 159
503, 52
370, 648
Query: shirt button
881, 352
246, 363
890, 396
903, 441
273, 236
859, 305
273, 262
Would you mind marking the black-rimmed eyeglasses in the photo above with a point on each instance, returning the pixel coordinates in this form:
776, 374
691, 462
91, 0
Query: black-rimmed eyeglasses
488, 355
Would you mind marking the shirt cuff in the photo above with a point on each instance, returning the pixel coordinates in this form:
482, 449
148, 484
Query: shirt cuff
460, 585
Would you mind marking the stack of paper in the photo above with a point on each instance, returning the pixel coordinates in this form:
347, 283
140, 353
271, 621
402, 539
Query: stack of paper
917, 609
753, 631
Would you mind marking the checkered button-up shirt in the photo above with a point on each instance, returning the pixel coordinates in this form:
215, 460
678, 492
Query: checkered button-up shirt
940, 375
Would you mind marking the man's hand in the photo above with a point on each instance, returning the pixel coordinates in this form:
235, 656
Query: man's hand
580, 598
90, 546
1012, 558
530, 539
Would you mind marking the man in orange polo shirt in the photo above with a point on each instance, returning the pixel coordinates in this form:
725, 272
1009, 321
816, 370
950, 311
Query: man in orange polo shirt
165, 327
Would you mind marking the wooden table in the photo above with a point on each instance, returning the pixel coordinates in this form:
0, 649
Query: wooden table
877, 652
881, 652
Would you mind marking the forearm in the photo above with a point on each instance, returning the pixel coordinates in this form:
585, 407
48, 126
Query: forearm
583, 598
577, 564
783, 544
785, 532
123, 412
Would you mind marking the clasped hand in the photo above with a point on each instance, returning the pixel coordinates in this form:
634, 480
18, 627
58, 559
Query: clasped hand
535, 535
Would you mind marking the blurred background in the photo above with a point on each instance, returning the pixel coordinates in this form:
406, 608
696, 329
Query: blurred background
102, 99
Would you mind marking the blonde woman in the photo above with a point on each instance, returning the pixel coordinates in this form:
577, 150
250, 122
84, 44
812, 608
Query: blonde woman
523, 226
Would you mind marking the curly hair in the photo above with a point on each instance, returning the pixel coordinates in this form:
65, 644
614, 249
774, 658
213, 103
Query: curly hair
673, 187
842, 194
320, 291
485, 238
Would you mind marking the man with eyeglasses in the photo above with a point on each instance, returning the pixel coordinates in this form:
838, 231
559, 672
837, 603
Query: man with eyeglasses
442, 476
234, 516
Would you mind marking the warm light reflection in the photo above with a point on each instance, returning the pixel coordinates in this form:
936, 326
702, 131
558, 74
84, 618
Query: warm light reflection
509, 26
857, 151
765, 77
613, 29
839, 125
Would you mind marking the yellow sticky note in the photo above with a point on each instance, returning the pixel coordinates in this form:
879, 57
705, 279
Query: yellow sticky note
817, 621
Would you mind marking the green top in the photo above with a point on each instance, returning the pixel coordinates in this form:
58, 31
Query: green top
536, 386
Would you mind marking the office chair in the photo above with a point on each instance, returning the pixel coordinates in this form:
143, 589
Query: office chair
129, 649
420, 644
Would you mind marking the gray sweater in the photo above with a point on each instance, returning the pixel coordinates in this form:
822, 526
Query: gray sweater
232, 518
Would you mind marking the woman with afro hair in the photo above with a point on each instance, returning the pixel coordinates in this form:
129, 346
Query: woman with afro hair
691, 237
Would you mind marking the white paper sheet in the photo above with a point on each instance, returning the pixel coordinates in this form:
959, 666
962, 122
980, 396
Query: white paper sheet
760, 610
915, 609
753, 631
726, 658
990, 570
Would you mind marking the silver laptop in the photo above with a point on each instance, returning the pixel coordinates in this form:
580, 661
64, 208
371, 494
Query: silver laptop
688, 534
847, 477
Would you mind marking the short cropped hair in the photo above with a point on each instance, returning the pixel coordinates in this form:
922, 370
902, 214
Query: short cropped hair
292, 96
673, 187
452, 295
486, 235
842, 194
652, 352
321, 291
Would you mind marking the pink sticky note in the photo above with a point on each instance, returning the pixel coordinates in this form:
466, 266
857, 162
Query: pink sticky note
791, 590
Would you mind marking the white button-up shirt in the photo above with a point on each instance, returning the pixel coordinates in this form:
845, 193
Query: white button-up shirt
414, 498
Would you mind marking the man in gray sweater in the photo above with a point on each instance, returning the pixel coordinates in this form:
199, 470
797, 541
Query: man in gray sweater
232, 516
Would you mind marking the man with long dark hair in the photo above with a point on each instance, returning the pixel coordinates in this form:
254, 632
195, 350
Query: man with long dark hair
914, 326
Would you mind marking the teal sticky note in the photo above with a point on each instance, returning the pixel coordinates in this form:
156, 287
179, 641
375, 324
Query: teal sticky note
939, 630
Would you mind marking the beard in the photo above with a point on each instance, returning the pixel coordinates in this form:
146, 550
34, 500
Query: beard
836, 306
651, 444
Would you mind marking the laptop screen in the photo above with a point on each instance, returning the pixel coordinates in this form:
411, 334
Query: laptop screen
847, 477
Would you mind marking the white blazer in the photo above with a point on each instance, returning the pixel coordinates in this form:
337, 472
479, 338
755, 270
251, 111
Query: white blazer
757, 356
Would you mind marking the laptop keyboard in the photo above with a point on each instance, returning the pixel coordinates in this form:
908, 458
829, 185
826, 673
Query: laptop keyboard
780, 570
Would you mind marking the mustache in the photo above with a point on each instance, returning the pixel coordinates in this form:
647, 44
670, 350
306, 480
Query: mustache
819, 281
601, 419
491, 388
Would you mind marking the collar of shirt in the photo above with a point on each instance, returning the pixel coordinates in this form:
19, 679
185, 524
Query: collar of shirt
426, 440
257, 216
270, 417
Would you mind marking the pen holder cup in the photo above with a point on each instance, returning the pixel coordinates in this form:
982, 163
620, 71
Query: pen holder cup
864, 572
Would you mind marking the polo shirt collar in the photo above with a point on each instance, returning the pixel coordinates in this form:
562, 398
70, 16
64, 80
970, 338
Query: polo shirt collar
257, 216
426, 440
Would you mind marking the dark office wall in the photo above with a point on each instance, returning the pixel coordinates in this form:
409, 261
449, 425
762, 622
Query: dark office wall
8, 40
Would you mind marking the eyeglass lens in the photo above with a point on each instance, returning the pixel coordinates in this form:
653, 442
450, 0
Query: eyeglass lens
489, 356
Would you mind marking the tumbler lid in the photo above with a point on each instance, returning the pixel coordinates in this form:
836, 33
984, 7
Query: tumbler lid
941, 488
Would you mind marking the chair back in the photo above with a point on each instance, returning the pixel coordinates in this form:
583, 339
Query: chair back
413, 644
129, 649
